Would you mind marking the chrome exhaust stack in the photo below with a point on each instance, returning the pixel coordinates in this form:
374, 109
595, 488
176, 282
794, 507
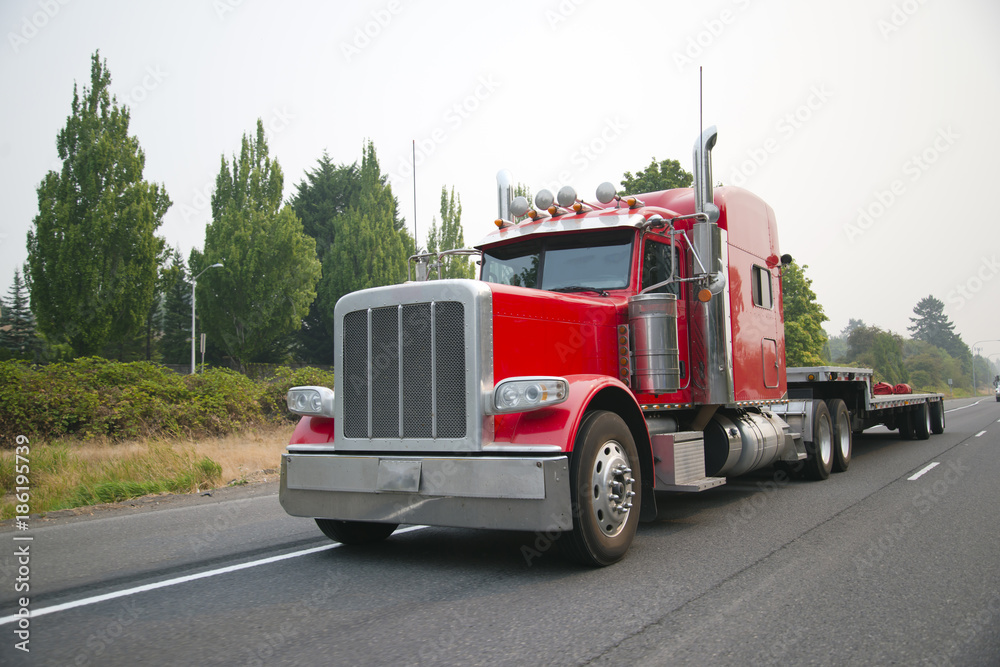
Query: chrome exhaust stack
505, 194
711, 337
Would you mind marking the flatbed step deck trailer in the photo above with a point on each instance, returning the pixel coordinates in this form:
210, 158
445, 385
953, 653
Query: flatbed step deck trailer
854, 387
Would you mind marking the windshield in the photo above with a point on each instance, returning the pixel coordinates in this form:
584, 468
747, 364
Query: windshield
578, 262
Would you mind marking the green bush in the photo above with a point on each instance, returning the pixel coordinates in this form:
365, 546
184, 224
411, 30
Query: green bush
92, 397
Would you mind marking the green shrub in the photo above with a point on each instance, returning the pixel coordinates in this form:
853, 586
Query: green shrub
93, 397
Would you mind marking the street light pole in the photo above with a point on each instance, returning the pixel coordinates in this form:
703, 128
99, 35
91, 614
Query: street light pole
194, 281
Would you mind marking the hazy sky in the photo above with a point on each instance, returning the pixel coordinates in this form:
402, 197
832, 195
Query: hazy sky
870, 126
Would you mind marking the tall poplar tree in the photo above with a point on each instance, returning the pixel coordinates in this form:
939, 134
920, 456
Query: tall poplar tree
449, 236
251, 305
92, 252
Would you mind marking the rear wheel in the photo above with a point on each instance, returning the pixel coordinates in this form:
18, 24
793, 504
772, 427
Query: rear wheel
355, 532
905, 421
921, 421
843, 438
819, 459
607, 490
937, 417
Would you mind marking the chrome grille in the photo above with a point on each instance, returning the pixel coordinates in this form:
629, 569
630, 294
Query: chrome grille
404, 371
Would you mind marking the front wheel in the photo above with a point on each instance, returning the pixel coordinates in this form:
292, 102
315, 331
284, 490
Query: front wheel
606, 486
355, 532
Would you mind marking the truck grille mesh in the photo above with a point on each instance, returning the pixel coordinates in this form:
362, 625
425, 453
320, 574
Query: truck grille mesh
404, 375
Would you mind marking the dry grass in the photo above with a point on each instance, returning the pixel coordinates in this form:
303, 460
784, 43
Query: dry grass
74, 473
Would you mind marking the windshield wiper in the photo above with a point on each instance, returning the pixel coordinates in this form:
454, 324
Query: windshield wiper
579, 288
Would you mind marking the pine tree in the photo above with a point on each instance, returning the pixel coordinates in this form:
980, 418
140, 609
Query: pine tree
92, 254
175, 313
17, 325
933, 326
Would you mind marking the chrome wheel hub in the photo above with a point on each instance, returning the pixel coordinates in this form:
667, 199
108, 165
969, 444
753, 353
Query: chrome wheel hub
611, 488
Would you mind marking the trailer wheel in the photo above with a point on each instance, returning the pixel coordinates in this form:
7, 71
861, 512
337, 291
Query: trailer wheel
937, 417
905, 422
819, 459
843, 438
355, 532
921, 421
606, 486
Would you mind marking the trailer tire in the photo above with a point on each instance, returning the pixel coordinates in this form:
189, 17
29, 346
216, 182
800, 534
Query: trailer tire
819, 459
921, 421
904, 421
606, 488
355, 532
843, 437
937, 417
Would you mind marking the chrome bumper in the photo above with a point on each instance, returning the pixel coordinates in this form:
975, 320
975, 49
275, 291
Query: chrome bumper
524, 493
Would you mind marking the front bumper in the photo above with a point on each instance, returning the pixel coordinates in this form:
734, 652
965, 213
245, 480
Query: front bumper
523, 493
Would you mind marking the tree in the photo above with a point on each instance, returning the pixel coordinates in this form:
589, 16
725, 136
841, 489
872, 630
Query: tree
321, 200
882, 351
175, 312
804, 317
449, 236
250, 306
92, 254
664, 175
933, 326
17, 325
370, 251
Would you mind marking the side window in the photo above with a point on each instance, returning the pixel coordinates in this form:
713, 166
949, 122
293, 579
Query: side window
761, 285
657, 258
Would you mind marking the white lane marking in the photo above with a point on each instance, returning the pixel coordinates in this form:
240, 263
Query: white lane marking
965, 406
924, 471
179, 580
981, 434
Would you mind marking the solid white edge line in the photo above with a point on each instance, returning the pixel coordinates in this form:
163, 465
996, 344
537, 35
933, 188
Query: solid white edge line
923, 471
34, 613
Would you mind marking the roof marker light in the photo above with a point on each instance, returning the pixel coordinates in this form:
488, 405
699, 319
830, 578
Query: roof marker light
519, 207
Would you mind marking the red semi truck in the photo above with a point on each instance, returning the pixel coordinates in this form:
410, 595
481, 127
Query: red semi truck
608, 351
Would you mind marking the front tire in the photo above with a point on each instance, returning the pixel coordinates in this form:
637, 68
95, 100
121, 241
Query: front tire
819, 459
606, 487
843, 438
355, 532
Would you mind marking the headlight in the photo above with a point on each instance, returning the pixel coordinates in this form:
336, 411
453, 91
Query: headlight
311, 401
521, 394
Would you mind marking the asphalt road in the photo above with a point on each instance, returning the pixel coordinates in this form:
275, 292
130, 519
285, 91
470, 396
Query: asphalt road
868, 567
